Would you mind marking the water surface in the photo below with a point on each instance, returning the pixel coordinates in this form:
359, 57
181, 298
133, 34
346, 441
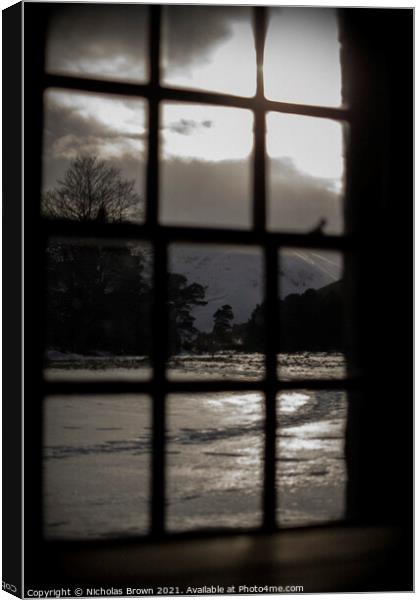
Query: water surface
97, 449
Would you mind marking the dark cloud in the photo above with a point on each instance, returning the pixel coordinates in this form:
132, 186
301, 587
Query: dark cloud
188, 126
61, 120
68, 133
219, 194
98, 39
206, 193
298, 201
195, 192
110, 40
191, 32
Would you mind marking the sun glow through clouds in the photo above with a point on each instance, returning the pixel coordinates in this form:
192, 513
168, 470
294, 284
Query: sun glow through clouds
302, 56
206, 150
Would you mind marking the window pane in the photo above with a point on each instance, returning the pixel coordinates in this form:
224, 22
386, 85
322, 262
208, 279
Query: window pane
94, 157
311, 315
206, 170
306, 174
311, 469
209, 48
99, 298
104, 41
214, 292
215, 447
302, 56
96, 466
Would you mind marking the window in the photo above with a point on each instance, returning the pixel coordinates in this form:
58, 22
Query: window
103, 239
263, 226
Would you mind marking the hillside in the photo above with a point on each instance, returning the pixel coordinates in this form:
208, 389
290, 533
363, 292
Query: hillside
236, 277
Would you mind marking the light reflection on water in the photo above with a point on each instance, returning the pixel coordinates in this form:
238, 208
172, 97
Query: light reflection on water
311, 472
292, 401
215, 461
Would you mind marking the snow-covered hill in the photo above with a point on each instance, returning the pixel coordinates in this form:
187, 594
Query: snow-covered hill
235, 276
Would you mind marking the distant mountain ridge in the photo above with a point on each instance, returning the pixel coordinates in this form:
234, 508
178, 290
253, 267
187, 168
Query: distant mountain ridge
235, 276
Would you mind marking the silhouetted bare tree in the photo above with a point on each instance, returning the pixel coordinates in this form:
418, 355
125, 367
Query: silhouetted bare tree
91, 190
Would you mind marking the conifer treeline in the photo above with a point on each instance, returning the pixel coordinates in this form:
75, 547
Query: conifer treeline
100, 300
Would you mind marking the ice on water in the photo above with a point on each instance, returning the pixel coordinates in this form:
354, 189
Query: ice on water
97, 452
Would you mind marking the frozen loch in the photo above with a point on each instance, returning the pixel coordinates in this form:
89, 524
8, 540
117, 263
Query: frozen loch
97, 450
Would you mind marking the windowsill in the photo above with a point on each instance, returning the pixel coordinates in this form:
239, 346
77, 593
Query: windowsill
320, 559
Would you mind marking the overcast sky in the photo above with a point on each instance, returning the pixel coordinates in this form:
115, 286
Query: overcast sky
206, 151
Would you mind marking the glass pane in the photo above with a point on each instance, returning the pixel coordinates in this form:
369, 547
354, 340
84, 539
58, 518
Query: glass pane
105, 41
302, 56
311, 315
94, 157
209, 48
311, 468
206, 165
306, 174
215, 448
98, 321
214, 292
96, 466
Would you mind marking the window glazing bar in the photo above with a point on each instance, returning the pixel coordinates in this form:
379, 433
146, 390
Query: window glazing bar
81, 388
169, 234
191, 96
159, 315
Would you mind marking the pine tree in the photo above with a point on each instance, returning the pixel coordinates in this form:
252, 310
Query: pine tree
222, 328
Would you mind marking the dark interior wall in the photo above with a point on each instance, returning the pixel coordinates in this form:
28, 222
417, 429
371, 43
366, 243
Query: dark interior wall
379, 76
